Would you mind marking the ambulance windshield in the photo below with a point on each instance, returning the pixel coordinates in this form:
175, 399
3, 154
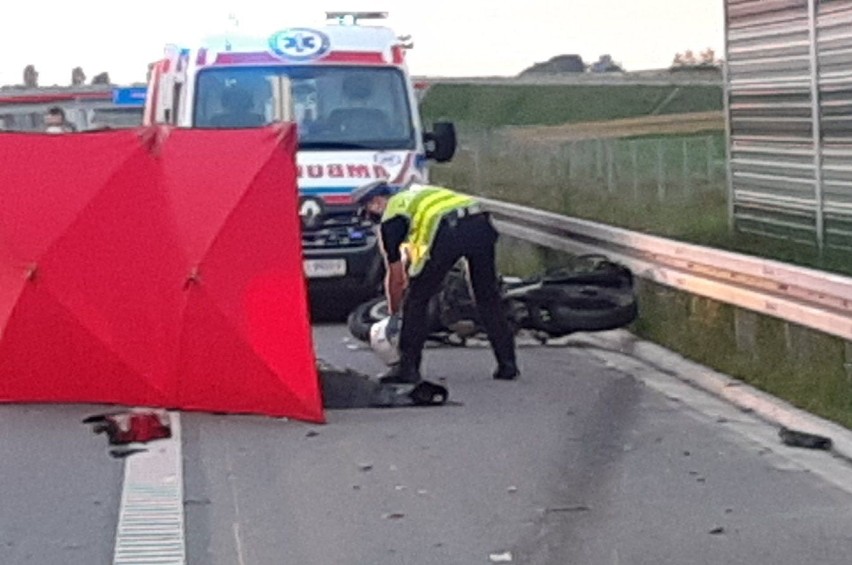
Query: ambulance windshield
336, 107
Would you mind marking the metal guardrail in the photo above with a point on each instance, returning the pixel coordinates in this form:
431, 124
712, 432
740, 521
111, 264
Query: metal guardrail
811, 298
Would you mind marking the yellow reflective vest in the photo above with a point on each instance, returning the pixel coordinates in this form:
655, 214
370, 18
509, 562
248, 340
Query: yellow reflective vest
423, 206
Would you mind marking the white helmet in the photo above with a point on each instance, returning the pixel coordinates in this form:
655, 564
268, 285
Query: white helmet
384, 339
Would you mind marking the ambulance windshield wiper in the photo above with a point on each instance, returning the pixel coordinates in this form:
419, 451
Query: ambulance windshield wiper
333, 145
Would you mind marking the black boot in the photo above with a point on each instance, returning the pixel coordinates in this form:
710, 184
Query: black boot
400, 374
507, 372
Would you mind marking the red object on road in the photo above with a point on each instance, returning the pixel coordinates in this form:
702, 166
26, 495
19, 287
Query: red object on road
155, 267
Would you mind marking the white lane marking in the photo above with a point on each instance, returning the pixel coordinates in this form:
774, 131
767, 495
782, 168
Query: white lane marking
151, 518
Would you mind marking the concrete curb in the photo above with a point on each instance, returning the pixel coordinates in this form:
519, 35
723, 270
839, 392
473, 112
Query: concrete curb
768, 407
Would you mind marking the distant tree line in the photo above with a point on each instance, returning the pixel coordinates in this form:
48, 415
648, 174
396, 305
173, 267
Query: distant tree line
574, 64
687, 61
78, 77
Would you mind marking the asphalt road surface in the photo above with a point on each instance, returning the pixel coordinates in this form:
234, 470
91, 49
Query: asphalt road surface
581, 461
578, 462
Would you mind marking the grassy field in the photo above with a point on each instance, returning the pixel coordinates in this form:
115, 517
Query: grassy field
649, 185
477, 106
800, 365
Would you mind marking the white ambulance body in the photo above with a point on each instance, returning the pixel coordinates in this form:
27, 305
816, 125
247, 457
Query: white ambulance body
348, 89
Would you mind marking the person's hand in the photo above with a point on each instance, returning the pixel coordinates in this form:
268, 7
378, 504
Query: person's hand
394, 325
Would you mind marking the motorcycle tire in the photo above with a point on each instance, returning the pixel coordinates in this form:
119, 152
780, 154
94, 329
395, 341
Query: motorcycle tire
560, 310
591, 270
363, 316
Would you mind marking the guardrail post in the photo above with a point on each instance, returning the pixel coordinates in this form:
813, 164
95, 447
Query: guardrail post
848, 361
745, 329
848, 364
686, 165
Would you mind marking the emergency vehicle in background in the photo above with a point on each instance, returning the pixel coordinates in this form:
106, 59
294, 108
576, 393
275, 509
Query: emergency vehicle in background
347, 87
86, 107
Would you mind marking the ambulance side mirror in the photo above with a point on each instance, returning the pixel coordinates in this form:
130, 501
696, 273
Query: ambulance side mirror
441, 142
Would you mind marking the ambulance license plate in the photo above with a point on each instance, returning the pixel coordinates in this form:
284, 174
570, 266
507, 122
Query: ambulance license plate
325, 268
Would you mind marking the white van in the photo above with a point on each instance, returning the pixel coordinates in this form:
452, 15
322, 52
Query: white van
348, 88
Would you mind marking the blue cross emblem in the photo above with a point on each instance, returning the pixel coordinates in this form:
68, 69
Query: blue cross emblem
299, 43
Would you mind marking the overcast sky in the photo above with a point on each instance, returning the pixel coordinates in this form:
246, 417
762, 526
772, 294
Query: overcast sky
452, 37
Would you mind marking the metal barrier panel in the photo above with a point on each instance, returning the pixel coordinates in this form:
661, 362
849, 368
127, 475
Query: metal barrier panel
789, 111
834, 48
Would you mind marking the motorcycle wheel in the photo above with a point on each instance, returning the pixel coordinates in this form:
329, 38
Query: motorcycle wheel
559, 311
362, 318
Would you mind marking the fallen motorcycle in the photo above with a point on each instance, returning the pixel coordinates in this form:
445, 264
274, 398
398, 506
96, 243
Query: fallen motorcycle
589, 294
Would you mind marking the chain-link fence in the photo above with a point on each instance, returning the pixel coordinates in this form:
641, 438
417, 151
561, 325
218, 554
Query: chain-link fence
610, 180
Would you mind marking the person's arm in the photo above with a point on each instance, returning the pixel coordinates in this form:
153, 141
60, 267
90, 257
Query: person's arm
395, 284
393, 234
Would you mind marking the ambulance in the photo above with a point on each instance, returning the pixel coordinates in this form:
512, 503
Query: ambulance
347, 87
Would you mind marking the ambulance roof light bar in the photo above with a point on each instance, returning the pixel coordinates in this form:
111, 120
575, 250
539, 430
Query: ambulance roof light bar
351, 18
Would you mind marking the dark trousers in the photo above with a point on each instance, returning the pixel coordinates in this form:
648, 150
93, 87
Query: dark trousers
473, 238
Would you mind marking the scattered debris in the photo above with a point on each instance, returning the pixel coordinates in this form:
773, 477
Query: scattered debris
122, 453
686, 453
365, 467
400, 487
701, 480
722, 420
134, 426
575, 508
504, 557
423, 492
717, 530
312, 433
512, 489
356, 487
728, 510
394, 516
796, 438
